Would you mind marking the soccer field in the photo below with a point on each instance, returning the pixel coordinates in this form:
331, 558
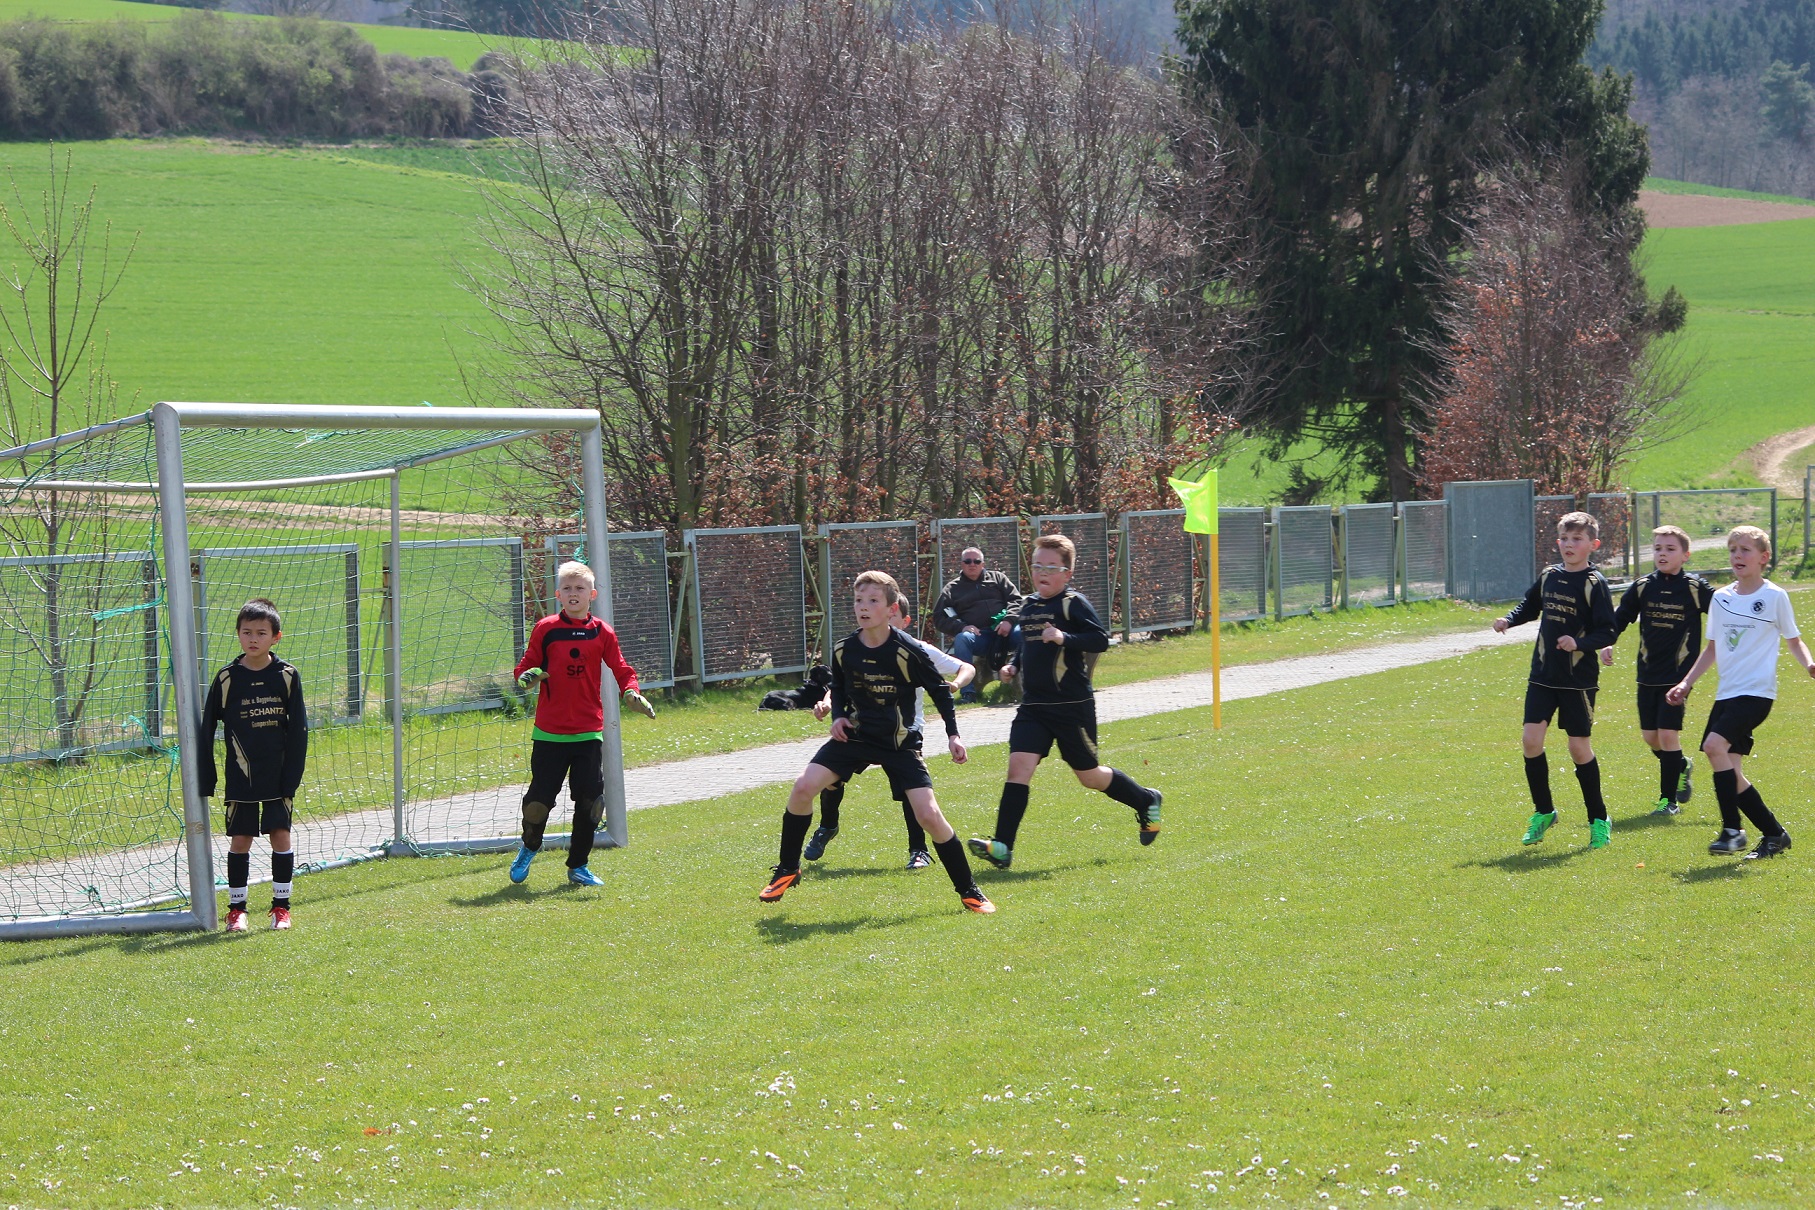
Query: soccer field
1337, 973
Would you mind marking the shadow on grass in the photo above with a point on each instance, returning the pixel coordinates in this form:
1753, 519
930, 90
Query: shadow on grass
1644, 820
778, 930
511, 892
1524, 861
988, 874
1713, 873
823, 873
134, 944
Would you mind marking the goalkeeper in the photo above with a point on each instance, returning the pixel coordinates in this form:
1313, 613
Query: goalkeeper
567, 651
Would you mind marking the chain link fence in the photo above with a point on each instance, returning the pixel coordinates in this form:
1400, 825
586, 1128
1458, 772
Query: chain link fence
641, 599
1304, 565
1706, 515
1492, 527
1159, 580
1614, 511
999, 538
749, 601
1369, 539
846, 550
1423, 550
1242, 569
1093, 573
1546, 512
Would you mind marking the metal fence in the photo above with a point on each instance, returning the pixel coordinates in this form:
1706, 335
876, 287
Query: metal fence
319, 585
1546, 512
1159, 581
1304, 565
641, 599
1242, 570
999, 538
1368, 537
464, 599
1423, 550
1491, 539
845, 550
1706, 516
1614, 511
1093, 573
749, 601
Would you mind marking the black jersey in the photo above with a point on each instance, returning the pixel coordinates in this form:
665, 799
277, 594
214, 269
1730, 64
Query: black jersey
267, 731
1056, 672
1574, 603
874, 687
1669, 612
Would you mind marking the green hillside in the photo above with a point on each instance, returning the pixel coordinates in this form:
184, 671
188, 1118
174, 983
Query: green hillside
460, 47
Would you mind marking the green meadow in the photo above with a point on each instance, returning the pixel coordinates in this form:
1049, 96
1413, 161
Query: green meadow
1337, 979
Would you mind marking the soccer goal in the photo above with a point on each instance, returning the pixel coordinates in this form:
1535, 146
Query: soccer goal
404, 549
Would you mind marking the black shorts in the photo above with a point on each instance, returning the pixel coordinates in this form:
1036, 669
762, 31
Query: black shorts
256, 818
578, 762
1574, 708
1072, 726
905, 767
1656, 714
1734, 719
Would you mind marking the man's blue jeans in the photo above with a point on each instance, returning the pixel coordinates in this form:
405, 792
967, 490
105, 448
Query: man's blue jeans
987, 647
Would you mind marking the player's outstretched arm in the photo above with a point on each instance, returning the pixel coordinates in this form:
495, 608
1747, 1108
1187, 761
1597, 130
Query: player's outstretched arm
1800, 650
1531, 607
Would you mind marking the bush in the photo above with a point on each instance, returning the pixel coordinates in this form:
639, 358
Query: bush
205, 74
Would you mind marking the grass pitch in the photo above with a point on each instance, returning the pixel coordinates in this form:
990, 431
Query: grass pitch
1336, 974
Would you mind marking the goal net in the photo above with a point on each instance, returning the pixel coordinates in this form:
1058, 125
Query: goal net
396, 546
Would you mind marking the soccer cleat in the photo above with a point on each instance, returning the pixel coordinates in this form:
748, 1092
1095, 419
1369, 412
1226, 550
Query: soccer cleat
1770, 846
1685, 787
519, 869
584, 877
1600, 833
280, 919
236, 920
816, 845
1150, 818
992, 851
1666, 805
919, 859
784, 879
1730, 840
1540, 824
975, 900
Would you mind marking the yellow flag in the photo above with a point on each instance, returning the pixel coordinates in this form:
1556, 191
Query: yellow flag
1200, 503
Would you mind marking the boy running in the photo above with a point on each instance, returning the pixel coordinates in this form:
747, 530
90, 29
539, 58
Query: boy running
1058, 705
1574, 610
566, 654
832, 797
258, 701
1745, 621
1668, 605
874, 674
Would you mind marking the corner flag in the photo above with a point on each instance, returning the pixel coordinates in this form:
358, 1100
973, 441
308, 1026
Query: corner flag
1200, 503
1201, 518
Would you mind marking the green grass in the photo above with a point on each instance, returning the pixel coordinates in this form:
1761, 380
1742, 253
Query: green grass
1337, 972
1658, 184
461, 47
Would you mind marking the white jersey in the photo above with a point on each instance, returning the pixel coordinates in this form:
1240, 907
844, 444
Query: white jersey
1745, 629
943, 664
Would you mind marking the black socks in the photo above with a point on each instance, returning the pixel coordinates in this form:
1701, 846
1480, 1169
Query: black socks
1726, 793
1009, 810
1588, 776
915, 833
793, 836
1749, 801
1537, 777
239, 873
830, 799
1125, 790
283, 869
957, 866
1669, 772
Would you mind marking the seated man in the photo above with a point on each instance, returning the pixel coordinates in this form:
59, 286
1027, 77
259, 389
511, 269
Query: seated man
970, 608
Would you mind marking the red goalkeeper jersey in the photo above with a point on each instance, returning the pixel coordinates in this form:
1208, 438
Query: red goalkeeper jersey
568, 703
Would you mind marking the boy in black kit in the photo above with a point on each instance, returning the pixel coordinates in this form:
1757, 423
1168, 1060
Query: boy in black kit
258, 699
1058, 705
874, 674
1574, 610
1668, 605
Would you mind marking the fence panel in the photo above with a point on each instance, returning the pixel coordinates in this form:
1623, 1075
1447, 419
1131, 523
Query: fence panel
641, 599
317, 591
1304, 566
1093, 572
1369, 555
750, 601
999, 538
1614, 511
1491, 531
891, 546
1705, 515
1242, 569
463, 600
1423, 550
1546, 512
1158, 578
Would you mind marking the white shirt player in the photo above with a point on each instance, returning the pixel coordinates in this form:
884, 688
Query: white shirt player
1745, 629
944, 664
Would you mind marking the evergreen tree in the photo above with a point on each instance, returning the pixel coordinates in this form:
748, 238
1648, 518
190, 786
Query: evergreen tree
1370, 123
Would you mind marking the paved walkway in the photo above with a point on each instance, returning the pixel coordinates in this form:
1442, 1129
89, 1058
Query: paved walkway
144, 875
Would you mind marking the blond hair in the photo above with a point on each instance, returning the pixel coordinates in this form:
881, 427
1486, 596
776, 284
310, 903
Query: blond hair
1060, 543
891, 591
1671, 531
1752, 534
576, 570
1578, 520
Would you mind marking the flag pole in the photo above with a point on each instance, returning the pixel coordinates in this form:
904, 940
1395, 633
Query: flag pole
1216, 631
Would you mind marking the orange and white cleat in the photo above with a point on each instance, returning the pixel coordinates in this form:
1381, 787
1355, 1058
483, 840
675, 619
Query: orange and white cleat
975, 900
236, 920
784, 880
280, 918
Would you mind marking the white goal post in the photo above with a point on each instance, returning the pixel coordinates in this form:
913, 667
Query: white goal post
331, 449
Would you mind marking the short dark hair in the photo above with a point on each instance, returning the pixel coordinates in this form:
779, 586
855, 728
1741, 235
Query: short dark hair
258, 609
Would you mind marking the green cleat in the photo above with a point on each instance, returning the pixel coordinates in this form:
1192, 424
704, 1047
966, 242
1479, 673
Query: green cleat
992, 851
1600, 833
1666, 805
1540, 824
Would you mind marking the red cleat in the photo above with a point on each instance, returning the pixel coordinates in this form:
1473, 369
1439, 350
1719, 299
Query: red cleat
280, 918
236, 920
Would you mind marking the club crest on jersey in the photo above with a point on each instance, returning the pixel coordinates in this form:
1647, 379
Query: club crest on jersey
1758, 607
1733, 637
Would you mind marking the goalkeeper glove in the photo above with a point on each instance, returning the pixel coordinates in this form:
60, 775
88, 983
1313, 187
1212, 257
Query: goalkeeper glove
529, 680
639, 703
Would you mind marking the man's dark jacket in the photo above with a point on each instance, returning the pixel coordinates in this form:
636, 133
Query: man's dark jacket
967, 602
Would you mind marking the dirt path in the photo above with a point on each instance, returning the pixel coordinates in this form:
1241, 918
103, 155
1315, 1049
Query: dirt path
1771, 459
1666, 210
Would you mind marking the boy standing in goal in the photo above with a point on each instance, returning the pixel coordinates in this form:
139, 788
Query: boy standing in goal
1573, 607
1058, 705
566, 654
874, 674
258, 701
1746, 619
1668, 605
